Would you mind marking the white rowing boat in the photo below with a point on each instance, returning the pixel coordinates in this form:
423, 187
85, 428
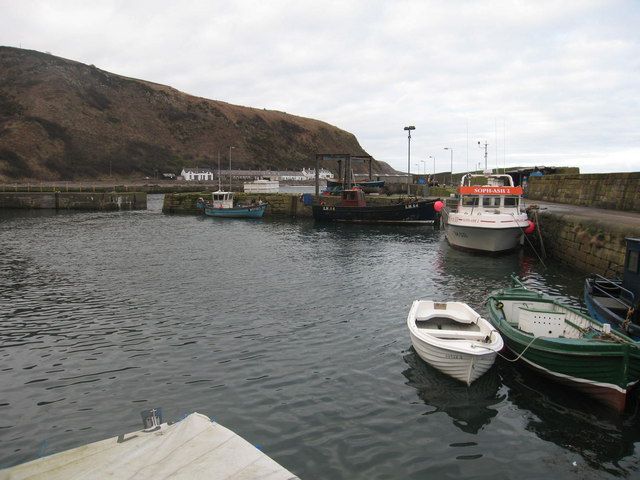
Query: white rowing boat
453, 338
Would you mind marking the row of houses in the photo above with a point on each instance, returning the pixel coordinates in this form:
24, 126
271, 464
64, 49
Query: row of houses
207, 174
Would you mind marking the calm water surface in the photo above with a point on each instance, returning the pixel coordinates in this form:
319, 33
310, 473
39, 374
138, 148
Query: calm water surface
289, 333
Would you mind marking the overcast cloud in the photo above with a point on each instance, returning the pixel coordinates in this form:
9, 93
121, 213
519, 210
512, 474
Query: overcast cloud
543, 82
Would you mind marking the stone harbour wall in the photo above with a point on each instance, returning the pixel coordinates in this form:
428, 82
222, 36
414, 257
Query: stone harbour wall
287, 204
588, 245
100, 201
616, 191
279, 203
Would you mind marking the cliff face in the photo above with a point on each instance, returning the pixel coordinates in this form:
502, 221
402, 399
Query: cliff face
61, 119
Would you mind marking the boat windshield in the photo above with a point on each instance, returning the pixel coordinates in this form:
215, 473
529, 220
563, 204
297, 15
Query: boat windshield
489, 202
470, 201
510, 202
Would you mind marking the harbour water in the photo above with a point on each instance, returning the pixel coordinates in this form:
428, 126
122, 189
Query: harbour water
290, 333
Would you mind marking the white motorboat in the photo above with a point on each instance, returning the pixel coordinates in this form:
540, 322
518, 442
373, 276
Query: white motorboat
453, 338
487, 218
262, 186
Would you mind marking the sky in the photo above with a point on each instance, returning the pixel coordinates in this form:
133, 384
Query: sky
553, 83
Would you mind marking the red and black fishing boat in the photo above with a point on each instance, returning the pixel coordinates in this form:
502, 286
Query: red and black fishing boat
353, 208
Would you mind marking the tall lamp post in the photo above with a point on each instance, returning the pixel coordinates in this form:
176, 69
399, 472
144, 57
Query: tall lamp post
450, 176
408, 129
230, 148
424, 167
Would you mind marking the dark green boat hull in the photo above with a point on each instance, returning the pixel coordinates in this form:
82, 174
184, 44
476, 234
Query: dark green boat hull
605, 370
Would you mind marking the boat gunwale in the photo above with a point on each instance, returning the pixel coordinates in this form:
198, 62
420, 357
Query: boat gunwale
604, 347
485, 348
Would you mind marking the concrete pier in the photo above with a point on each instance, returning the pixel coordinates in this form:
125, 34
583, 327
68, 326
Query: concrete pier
194, 448
101, 201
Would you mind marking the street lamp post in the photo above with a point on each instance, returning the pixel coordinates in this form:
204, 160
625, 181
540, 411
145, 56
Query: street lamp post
424, 167
408, 129
450, 176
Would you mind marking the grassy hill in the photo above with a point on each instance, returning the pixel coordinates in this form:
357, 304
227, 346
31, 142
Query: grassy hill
64, 120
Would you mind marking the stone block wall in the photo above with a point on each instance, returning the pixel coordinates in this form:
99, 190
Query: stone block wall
616, 191
74, 200
28, 200
587, 245
279, 203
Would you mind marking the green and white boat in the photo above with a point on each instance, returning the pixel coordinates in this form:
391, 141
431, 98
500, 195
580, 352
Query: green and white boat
565, 344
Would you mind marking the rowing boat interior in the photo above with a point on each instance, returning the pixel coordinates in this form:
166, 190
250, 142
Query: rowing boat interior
549, 319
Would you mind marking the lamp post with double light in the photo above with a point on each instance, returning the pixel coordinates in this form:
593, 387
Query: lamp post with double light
408, 129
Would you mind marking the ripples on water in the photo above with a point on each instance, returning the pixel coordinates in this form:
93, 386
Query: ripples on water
292, 334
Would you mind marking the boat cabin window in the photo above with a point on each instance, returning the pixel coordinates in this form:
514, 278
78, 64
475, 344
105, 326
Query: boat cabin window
470, 201
510, 202
489, 202
632, 263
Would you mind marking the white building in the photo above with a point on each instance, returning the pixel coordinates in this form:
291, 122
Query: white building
197, 174
288, 175
310, 174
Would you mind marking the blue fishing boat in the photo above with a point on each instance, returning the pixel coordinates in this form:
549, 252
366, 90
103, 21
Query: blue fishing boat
222, 205
617, 301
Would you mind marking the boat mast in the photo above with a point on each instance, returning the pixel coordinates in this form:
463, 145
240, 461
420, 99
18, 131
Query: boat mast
219, 188
485, 153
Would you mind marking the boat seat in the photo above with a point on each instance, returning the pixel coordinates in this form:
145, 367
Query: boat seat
457, 334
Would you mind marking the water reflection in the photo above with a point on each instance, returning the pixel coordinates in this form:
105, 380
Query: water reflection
565, 417
470, 407
372, 232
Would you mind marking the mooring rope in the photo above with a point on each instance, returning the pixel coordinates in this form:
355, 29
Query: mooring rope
502, 356
527, 238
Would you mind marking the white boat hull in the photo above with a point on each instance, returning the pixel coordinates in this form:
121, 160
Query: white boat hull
461, 366
453, 338
492, 240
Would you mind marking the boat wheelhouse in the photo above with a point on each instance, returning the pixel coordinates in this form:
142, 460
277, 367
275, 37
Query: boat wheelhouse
368, 186
486, 218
